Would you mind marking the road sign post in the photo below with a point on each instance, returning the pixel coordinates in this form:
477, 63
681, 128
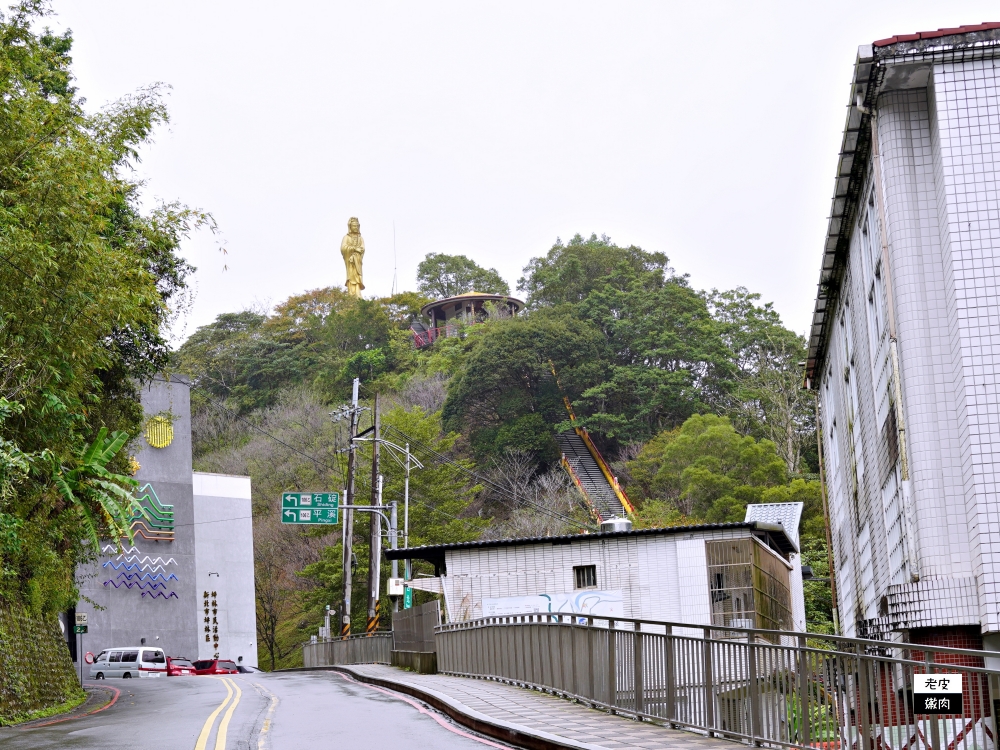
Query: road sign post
310, 507
80, 627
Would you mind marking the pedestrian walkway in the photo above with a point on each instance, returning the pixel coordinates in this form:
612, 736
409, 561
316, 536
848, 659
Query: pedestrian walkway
529, 717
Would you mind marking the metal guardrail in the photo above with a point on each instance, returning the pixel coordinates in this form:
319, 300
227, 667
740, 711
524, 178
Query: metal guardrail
355, 649
764, 687
413, 629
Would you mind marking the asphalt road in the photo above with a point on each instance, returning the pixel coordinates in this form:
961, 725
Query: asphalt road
286, 711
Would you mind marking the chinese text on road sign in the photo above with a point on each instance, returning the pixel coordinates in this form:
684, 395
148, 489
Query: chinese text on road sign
310, 507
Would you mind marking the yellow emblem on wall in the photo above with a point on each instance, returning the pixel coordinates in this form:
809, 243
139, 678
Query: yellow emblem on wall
159, 432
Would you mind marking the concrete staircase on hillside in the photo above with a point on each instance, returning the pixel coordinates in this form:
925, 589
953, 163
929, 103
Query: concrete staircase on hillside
598, 489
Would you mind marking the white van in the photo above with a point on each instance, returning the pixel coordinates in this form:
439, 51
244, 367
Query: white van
139, 661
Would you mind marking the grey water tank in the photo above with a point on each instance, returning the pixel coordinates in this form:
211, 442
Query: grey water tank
616, 524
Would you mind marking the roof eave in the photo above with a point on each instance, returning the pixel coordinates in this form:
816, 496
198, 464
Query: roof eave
433, 553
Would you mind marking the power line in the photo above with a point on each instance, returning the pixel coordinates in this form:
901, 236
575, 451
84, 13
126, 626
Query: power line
315, 460
250, 424
500, 489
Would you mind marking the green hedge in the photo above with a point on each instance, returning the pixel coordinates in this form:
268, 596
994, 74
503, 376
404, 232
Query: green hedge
36, 673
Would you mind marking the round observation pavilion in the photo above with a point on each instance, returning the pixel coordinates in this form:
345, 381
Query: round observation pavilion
445, 314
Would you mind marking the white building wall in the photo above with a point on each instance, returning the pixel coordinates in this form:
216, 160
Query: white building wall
921, 553
661, 577
224, 564
968, 130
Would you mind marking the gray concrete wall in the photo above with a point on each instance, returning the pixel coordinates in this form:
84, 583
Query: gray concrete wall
154, 590
224, 540
129, 614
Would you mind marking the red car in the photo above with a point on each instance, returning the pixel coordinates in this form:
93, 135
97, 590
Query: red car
178, 665
215, 666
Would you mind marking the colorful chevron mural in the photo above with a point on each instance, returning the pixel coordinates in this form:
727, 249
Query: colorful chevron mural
136, 566
128, 585
153, 595
110, 549
146, 559
155, 521
139, 571
146, 576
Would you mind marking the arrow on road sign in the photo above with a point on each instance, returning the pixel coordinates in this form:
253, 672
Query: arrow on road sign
290, 514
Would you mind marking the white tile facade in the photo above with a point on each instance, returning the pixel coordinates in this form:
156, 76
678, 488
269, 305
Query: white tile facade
926, 552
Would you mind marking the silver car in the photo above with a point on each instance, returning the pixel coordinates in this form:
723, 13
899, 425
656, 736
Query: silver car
128, 663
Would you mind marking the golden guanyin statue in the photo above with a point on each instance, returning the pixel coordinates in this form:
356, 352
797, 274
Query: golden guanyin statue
352, 247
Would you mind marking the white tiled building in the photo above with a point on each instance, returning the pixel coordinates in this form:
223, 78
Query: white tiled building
905, 343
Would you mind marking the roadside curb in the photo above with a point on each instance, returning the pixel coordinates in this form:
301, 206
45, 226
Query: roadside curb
77, 712
498, 729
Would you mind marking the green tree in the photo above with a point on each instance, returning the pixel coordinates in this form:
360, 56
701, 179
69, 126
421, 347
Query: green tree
666, 357
440, 275
86, 284
707, 470
236, 360
766, 398
322, 338
570, 272
440, 497
505, 395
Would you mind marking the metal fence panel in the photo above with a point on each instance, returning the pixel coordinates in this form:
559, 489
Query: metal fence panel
355, 649
772, 688
413, 629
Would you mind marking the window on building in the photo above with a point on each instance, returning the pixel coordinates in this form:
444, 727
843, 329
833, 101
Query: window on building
748, 585
585, 576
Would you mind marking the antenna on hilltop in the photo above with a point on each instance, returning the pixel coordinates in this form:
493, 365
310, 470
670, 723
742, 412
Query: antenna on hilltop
394, 268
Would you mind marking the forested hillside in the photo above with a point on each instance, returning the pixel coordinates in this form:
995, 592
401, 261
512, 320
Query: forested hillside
695, 397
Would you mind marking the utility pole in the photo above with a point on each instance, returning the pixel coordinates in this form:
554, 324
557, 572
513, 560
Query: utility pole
406, 514
393, 523
348, 526
376, 527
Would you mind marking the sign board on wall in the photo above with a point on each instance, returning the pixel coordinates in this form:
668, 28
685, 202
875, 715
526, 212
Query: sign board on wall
587, 602
937, 693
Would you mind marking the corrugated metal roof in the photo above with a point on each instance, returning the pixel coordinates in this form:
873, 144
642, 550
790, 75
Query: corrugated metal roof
776, 532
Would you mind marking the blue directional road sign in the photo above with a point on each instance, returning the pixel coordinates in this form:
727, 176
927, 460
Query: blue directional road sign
310, 507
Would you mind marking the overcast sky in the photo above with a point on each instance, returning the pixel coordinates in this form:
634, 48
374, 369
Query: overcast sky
706, 130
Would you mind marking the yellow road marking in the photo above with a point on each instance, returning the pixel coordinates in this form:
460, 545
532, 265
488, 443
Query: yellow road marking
262, 737
220, 740
207, 729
